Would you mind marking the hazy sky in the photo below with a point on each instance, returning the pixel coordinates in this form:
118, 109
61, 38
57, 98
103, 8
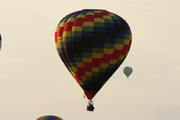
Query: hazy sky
35, 82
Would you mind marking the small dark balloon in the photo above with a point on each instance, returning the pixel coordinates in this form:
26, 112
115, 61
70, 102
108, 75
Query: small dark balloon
127, 71
0, 41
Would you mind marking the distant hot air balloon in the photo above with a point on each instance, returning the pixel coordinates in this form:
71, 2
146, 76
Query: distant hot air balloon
49, 117
0, 41
92, 43
127, 71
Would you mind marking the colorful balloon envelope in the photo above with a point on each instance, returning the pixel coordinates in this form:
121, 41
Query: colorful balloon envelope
127, 71
49, 117
92, 43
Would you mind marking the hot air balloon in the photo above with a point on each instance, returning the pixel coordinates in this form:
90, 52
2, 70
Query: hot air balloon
92, 43
49, 117
127, 71
0, 41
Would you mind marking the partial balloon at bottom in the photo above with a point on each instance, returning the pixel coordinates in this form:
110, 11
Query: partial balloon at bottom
49, 117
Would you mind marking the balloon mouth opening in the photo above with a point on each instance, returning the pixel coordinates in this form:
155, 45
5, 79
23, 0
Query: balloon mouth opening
90, 94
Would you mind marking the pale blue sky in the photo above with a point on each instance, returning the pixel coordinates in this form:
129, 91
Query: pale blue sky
35, 82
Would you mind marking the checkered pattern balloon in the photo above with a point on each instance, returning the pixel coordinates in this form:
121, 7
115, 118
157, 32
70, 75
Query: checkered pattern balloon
92, 43
49, 117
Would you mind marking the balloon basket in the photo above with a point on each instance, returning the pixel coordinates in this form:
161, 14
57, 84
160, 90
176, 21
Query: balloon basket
90, 106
